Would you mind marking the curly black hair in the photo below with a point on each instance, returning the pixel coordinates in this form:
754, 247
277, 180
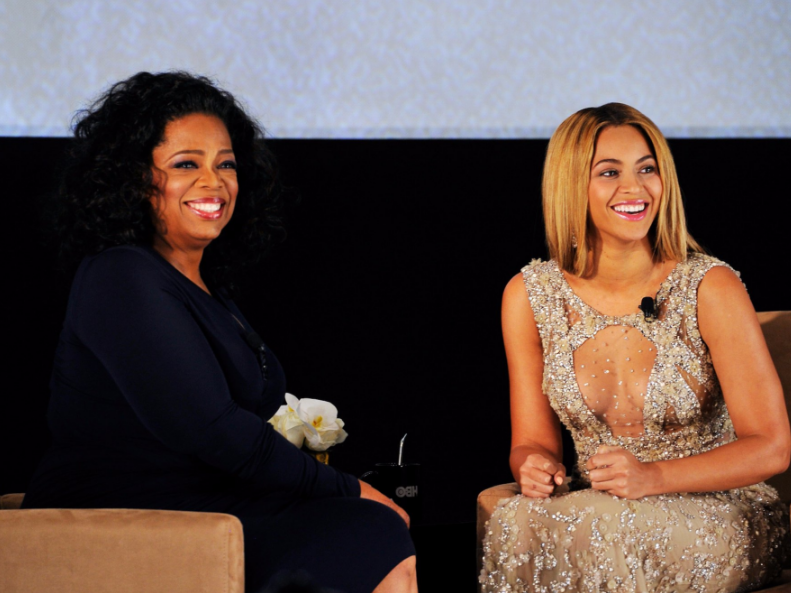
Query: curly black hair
104, 196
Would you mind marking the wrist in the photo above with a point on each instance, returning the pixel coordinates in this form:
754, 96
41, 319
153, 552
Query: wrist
656, 482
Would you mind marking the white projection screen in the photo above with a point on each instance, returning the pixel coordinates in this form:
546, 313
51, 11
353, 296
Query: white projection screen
412, 68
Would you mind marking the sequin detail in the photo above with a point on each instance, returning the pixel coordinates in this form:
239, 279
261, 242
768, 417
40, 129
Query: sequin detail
656, 395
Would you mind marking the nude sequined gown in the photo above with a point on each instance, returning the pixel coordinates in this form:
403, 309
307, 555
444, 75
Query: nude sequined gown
650, 388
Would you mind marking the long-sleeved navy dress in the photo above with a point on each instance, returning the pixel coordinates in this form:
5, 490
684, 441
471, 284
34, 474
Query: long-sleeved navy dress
158, 402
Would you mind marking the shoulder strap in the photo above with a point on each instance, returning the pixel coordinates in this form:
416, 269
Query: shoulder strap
684, 291
694, 269
543, 283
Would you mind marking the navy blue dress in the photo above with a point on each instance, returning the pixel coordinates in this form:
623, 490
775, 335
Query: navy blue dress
158, 402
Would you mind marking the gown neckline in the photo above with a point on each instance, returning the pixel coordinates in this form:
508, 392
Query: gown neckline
632, 319
584, 308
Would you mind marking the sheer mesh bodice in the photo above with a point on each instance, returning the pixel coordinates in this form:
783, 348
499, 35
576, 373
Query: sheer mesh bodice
612, 370
650, 388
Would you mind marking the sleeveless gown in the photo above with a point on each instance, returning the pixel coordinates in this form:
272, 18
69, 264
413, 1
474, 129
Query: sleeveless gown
650, 388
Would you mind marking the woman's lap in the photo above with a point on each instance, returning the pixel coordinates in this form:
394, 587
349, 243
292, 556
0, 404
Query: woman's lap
589, 541
348, 544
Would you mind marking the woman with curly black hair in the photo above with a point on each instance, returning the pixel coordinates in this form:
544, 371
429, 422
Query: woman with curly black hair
161, 390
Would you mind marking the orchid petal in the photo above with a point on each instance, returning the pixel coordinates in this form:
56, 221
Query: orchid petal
292, 401
311, 409
295, 436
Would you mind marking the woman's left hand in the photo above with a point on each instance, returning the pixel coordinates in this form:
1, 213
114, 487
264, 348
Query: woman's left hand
617, 471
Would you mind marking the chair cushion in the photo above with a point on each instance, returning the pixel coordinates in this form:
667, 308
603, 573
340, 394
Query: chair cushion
120, 550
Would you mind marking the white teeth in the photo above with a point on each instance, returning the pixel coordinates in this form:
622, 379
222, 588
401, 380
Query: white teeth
629, 208
205, 207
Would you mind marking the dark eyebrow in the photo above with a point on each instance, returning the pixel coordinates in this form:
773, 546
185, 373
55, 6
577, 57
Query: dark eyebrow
199, 152
618, 162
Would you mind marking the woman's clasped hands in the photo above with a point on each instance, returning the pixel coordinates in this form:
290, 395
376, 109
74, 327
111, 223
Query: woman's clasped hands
612, 469
539, 477
617, 471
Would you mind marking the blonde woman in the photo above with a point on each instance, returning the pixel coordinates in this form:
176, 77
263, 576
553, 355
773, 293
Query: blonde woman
650, 353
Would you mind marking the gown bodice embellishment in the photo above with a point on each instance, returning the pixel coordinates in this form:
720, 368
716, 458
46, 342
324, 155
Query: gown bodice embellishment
647, 386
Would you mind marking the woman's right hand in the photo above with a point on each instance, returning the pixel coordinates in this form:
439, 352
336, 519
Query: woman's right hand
539, 476
371, 493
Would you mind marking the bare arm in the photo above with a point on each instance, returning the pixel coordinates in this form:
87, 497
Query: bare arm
752, 392
536, 446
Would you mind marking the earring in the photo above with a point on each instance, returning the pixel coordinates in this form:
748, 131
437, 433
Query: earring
573, 240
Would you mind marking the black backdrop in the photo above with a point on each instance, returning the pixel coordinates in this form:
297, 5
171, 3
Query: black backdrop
385, 297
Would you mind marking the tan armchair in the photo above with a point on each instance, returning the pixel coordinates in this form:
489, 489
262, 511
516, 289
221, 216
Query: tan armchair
118, 550
776, 326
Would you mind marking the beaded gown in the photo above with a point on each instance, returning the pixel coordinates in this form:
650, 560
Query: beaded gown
650, 388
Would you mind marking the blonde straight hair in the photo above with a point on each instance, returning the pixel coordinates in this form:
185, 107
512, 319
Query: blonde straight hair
565, 188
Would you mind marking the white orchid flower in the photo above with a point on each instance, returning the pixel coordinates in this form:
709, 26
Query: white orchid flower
287, 422
311, 419
322, 427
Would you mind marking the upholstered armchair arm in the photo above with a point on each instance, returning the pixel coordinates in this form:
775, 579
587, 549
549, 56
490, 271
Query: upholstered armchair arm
120, 550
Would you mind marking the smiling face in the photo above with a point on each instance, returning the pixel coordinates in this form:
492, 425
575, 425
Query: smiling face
195, 175
625, 188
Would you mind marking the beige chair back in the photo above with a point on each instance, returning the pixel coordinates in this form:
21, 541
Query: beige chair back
776, 326
11, 501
